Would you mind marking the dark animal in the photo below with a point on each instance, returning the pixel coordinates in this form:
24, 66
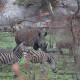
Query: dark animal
40, 57
13, 57
65, 44
33, 37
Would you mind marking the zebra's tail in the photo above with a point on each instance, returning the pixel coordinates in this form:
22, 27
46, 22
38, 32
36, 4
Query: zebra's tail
52, 63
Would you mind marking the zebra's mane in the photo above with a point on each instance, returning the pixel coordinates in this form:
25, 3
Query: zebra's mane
17, 48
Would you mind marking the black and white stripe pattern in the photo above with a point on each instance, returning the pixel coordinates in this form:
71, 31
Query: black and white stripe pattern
6, 58
40, 57
13, 57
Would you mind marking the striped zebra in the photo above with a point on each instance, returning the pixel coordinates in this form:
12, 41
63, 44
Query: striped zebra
40, 57
13, 57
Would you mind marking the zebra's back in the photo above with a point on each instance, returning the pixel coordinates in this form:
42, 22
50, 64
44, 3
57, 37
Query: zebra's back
35, 56
6, 58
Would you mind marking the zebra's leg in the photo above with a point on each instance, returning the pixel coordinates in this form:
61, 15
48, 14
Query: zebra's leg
45, 67
41, 67
27, 68
44, 60
29, 72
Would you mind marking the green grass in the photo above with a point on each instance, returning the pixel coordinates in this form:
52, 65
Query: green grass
7, 41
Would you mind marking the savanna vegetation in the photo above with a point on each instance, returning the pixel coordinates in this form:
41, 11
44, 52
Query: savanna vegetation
64, 64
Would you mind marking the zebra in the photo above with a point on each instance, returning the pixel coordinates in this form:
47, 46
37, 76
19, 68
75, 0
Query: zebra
40, 57
13, 57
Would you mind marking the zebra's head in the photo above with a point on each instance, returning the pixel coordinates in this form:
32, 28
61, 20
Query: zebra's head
52, 63
22, 48
53, 66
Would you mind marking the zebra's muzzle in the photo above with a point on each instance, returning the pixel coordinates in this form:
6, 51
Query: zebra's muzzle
54, 70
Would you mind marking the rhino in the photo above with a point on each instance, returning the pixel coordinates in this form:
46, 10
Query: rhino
32, 37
